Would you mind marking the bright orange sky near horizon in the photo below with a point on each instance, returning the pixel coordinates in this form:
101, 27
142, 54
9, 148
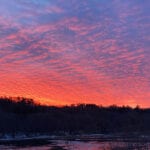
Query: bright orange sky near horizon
62, 52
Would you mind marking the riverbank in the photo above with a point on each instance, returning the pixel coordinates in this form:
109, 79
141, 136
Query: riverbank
48, 139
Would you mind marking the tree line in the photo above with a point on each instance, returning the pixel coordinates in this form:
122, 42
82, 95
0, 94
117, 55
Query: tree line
24, 116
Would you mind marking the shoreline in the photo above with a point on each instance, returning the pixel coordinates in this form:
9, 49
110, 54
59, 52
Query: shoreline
48, 139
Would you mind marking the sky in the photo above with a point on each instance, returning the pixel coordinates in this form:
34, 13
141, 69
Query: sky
62, 52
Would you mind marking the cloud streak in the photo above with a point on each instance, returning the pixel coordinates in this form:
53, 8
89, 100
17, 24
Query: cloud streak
60, 52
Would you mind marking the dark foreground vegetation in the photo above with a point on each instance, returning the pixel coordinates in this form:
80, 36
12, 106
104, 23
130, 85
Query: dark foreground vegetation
23, 116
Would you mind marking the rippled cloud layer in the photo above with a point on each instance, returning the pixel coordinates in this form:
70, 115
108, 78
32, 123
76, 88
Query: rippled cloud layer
68, 51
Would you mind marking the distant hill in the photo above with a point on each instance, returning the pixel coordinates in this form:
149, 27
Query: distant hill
24, 116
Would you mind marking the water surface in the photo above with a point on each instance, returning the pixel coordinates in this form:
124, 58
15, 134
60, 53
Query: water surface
82, 145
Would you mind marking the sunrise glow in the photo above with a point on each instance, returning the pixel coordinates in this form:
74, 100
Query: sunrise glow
62, 52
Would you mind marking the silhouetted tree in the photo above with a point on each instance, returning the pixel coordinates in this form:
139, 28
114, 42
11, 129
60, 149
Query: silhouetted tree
23, 115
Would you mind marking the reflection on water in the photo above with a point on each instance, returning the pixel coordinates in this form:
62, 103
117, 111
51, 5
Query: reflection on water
79, 145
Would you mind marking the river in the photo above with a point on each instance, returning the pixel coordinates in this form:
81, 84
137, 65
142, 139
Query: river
81, 145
